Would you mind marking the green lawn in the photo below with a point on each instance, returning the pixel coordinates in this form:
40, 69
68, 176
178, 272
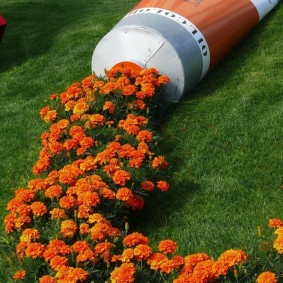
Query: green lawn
223, 140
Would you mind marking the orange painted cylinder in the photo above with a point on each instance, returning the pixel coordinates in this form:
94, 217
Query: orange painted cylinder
182, 38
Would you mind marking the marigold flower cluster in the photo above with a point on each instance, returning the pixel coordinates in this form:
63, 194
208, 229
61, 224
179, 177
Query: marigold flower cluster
98, 159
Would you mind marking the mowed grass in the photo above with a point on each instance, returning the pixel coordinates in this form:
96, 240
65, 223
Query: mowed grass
223, 140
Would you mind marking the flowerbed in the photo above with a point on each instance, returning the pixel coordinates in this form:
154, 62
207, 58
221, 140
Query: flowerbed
99, 160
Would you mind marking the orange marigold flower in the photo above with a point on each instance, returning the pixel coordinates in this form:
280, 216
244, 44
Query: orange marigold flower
110, 106
68, 202
97, 119
38, 208
9, 222
21, 221
135, 203
44, 111
54, 191
29, 235
87, 142
126, 151
163, 186
148, 89
89, 198
47, 279
159, 163
120, 177
168, 266
155, 260
132, 129
19, 275
58, 262
124, 194
203, 272
98, 84
123, 274
147, 185
35, 250
267, 277
63, 124
68, 228
107, 193
142, 252
108, 87
163, 79
84, 229
167, 246
144, 135
192, 260
57, 213
136, 159
139, 104
275, 223
84, 211
70, 144
134, 239
104, 250
68, 274
80, 246
129, 90
228, 259
41, 165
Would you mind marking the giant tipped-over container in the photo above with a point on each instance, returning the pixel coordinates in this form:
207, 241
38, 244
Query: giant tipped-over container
183, 39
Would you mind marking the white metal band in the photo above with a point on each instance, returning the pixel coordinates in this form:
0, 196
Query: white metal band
189, 26
264, 6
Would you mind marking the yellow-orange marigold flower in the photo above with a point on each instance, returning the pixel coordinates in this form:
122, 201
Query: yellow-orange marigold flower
127, 255
123, 274
278, 244
267, 277
50, 116
29, 235
80, 108
19, 275
68, 228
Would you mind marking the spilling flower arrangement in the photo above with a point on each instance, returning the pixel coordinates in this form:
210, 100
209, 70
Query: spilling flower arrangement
97, 163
